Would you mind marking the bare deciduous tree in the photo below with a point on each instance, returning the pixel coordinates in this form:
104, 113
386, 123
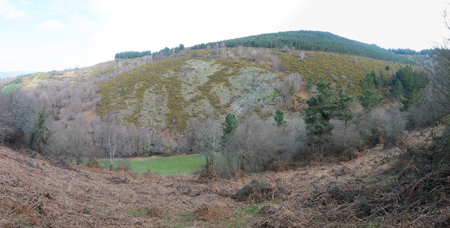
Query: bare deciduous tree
6, 117
26, 106
109, 137
302, 55
206, 141
254, 144
223, 48
240, 50
290, 85
216, 49
73, 141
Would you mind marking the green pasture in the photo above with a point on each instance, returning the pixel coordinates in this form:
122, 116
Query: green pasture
173, 165
11, 88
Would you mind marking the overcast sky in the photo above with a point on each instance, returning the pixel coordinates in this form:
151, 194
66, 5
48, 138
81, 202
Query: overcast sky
49, 35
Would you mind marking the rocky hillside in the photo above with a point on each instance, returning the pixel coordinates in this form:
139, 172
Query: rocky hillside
247, 76
245, 82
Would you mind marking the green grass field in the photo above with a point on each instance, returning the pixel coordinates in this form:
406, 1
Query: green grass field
11, 88
174, 165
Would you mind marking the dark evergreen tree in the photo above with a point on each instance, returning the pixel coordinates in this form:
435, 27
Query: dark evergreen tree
228, 127
371, 97
310, 82
382, 81
407, 82
397, 88
343, 111
311, 40
291, 89
279, 117
40, 134
322, 107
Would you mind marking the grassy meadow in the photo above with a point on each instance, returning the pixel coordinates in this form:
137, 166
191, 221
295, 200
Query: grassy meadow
174, 165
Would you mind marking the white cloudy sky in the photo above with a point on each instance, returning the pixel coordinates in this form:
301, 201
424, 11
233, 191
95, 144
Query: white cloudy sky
58, 34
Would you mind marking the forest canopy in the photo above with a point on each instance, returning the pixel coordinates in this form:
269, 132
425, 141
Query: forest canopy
300, 40
131, 54
311, 40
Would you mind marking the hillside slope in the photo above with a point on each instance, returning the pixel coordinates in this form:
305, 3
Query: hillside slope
38, 192
312, 41
199, 83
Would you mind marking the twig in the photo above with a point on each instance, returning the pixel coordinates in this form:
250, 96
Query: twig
445, 213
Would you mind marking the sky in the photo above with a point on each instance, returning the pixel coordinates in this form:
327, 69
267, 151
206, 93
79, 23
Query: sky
45, 35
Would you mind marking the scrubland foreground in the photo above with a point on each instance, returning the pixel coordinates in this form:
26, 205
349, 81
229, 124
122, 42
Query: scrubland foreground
377, 188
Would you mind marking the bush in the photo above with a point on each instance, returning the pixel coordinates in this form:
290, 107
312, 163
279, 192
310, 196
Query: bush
382, 125
343, 138
291, 84
256, 144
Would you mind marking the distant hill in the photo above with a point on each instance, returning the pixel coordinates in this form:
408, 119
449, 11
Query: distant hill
293, 40
312, 40
8, 74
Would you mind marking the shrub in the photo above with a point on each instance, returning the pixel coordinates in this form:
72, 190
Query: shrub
256, 144
382, 125
279, 117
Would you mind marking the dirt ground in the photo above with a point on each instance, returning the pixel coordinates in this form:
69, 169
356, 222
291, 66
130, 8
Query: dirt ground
36, 192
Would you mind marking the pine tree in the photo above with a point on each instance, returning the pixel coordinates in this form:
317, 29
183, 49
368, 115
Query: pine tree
279, 117
318, 114
397, 88
323, 107
382, 81
370, 97
406, 83
228, 127
291, 90
41, 133
310, 82
343, 111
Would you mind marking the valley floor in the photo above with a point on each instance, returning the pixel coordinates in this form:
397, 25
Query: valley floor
37, 193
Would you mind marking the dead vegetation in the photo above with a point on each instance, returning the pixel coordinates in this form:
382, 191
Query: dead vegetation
394, 187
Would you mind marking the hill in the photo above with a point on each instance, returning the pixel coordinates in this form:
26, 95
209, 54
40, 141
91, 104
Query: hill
149, 101
245, 76
9, 74
293, 40
200, 83
311, 41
